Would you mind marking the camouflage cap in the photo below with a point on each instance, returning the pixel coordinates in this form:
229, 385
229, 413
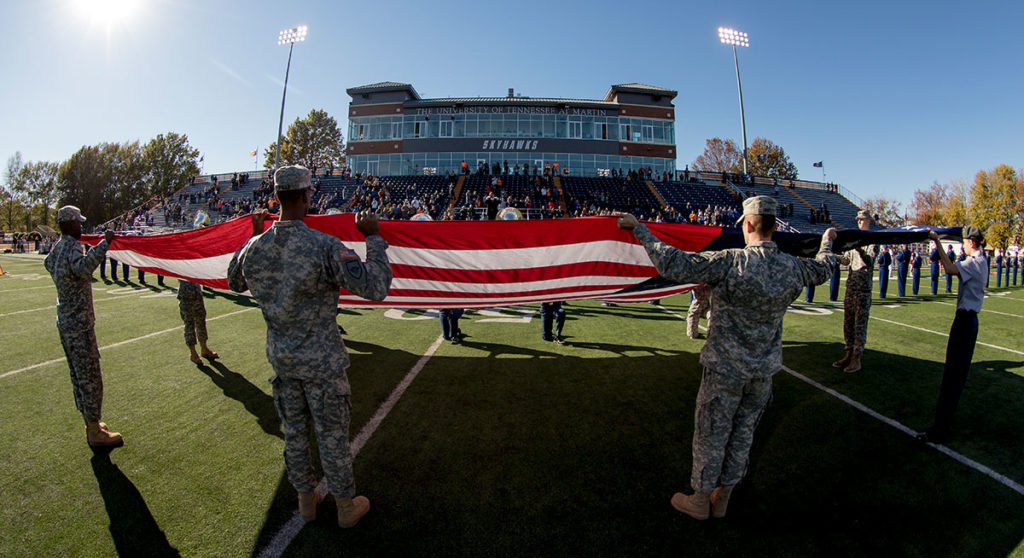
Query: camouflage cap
970, 231
69, 213
863, 214
758, 205
294, 177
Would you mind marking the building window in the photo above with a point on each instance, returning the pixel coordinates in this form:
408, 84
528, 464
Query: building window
648, 133
447, 127
419, 129
362, 132
624, 134
575, 129
600, 130
396, 130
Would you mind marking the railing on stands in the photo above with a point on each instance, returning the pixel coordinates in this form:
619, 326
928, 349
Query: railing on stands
841, 190
784, 226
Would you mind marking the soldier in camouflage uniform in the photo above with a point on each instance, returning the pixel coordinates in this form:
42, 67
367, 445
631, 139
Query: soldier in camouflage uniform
295, 274
72, 268
193, 313
751, 289
857, 303
699, 308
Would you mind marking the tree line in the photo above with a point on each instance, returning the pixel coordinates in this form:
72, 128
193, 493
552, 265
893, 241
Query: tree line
109, 179
993, 202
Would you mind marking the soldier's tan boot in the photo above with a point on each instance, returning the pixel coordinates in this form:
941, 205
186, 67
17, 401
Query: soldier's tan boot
853, 366
307, 505
351, 510
98, 436
697, 506
841, 363
720, 500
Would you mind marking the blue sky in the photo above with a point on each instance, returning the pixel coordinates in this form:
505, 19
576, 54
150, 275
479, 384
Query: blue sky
890, 95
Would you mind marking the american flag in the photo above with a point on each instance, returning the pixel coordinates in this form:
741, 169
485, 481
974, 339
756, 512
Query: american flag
477, 264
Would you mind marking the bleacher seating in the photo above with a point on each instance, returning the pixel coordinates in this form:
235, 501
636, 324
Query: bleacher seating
615, 194
683, 196
582, 196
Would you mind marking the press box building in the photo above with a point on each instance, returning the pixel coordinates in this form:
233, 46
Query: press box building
393, 131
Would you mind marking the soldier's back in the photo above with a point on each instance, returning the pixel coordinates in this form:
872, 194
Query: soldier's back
285, 271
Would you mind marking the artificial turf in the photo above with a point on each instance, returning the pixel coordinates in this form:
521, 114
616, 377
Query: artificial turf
505, 445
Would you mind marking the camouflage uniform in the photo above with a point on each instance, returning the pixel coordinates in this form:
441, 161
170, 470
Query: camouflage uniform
699, 308
857, 303
295, 274
751, 289
71, 268
193, 312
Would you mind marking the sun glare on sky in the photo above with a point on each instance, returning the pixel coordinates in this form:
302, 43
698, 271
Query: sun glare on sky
109, 13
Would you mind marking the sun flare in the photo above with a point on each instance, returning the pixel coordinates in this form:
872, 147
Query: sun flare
107, 12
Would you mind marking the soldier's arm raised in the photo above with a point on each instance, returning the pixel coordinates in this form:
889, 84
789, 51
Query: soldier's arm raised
236, 278
372, 279
678, 265
82, 265
818, 270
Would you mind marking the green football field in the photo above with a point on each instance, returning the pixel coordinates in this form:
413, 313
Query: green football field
507, 445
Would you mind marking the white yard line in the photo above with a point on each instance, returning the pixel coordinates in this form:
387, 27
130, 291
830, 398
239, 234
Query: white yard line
985, 470
53, 307
1014, 351
28, 289
290, 530
119, 343
994, 475
986, 311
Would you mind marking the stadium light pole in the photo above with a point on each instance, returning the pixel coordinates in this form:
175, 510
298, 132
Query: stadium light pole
289, 37
737, 38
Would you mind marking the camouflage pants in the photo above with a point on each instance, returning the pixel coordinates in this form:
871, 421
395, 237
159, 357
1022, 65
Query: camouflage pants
86, 380
700, 307
728, 410
306, 406
856, 307
193, 313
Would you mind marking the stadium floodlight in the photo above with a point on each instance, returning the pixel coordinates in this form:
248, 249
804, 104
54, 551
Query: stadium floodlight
737, 38
289, 37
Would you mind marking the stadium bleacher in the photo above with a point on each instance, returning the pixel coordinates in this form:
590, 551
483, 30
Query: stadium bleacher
615, 194
581, 195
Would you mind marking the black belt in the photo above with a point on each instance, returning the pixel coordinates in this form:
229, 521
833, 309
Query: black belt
961, 311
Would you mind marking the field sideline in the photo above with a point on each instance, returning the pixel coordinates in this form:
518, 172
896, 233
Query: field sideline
506, 444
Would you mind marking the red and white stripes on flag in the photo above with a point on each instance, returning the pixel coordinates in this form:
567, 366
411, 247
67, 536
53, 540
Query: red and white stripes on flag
452, 264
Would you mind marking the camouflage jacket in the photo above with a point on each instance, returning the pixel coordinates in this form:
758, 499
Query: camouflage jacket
751, 289
188, 290
295, 273
71, 268
860, 259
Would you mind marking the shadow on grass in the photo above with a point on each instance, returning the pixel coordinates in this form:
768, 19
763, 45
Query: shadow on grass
239, 388
132, 526
513, 457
